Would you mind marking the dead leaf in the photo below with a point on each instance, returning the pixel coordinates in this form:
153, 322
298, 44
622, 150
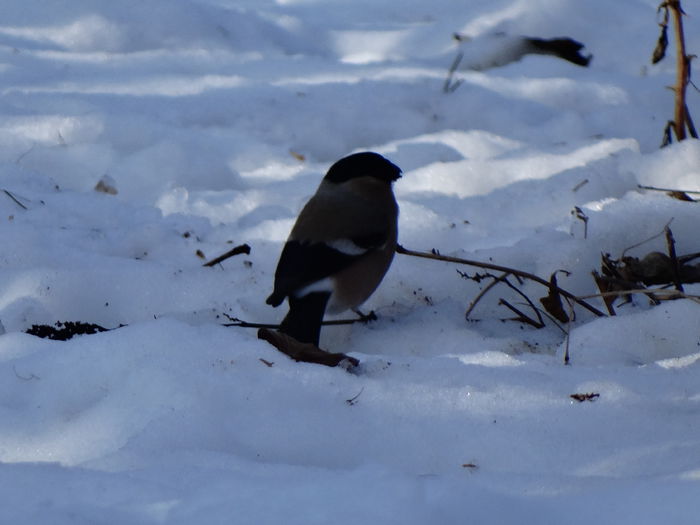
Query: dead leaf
552, 302
106, 185
297, 155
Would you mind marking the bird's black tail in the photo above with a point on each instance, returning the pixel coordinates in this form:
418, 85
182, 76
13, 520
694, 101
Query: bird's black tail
303, 322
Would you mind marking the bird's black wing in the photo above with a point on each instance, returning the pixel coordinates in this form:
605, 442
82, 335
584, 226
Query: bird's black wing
303, 263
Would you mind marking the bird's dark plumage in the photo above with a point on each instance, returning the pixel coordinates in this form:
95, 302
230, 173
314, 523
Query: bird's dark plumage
304, 263
341, 245
363, 164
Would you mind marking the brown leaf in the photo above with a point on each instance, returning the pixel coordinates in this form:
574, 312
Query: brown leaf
661, 45
300, 157
305, 352
552, 302
604, 287
680, 195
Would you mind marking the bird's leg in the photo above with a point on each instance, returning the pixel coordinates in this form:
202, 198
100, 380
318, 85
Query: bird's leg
303, 321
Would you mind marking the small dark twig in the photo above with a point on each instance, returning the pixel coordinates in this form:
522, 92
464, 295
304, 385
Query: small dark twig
483, 292
245, 324
675, 266
654, 188
689, 122
235, 321
540, 322
668, 134
363, 317
521, 316
655, 236
580, 185
683, 259
242, 248
580, 215
449, 85
353, 400
17, 202
661, 294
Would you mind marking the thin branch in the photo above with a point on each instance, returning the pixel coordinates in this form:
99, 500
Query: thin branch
427, 255
655, 236
689, 122
235, 321
675, 266
687, 258
654, 188
665, 294
521, 316
540, 321
242, 248
483, 292
11, 196
449, 86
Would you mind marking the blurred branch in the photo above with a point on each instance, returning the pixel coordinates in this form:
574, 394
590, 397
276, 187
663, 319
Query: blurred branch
449, 86
235, 321
242, 248
670, 190
17, 202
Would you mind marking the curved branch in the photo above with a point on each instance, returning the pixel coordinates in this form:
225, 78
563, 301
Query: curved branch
428, 255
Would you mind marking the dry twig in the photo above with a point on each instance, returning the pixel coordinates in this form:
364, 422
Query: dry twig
525, 275
449, 86
483, 292
242, 248
16, 201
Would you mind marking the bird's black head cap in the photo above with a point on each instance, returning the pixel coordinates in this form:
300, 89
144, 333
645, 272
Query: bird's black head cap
365, 164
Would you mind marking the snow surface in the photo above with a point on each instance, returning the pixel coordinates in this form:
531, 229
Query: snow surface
198, 113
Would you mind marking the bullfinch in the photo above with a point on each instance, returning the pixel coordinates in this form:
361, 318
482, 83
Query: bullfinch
340, 246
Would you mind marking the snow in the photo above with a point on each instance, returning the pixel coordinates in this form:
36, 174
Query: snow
214, 122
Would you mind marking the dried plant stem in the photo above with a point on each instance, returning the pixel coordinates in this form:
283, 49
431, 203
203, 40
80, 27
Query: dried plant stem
483, 292
17, 202
665, 294
525, 275
682, 73
654, 188
245, 324
242, 248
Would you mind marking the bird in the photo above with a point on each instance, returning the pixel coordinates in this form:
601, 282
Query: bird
341, 245
493, 50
